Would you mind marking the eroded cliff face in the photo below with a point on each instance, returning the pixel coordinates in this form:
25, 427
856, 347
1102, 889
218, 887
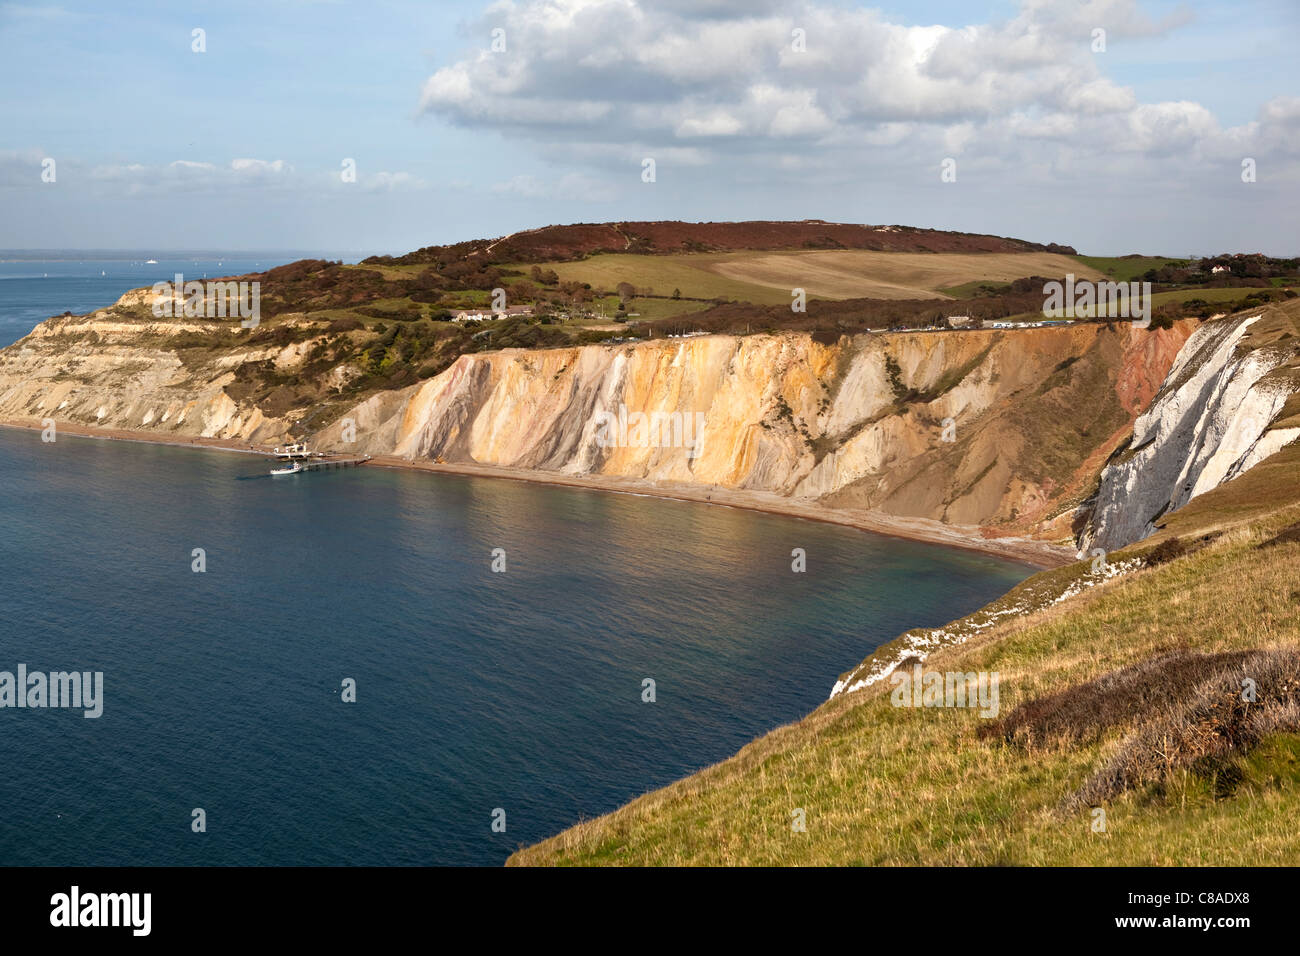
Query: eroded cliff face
1001, 429
1220, 411
113, 370
976, 427
1230, 400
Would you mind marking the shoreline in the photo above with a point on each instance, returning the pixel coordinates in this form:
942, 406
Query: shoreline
1037, 554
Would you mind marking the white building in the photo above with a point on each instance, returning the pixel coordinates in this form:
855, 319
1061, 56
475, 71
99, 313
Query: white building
487, 315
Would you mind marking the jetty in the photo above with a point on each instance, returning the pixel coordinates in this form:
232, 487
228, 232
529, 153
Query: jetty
325, 464
298, 459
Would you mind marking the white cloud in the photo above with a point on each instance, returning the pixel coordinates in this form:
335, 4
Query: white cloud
186, 174
711, 123
242, 174
384, 181
22, 167
23, 11
723, 80
260, 167
571, 187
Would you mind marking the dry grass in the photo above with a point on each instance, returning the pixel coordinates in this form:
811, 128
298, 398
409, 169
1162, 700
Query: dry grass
1288, 535
850, 274
766, 278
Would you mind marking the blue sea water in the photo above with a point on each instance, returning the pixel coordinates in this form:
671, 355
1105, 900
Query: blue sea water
476, 691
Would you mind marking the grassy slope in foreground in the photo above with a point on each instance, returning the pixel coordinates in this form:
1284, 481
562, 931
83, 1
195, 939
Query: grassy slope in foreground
886, 785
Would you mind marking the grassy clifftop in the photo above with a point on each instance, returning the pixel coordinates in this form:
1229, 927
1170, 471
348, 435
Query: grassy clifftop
1111, 698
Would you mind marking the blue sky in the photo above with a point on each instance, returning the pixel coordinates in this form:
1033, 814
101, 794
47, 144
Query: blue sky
1134, 148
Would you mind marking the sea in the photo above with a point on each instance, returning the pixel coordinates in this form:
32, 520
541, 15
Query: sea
383, 667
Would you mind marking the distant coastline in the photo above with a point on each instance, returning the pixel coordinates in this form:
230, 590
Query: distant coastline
139, 255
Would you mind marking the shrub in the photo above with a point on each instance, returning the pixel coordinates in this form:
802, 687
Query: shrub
1083, 713
1288, 535
1166, 551
1213, 723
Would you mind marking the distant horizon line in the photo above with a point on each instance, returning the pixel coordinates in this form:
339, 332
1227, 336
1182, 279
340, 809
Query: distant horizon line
69, 253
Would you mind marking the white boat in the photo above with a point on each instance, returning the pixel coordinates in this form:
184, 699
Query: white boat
291, 469
151, 262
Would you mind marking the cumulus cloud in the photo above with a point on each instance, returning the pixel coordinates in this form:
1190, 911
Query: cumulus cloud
606, 82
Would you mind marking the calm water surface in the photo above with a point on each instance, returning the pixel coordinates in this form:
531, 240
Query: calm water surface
475, 690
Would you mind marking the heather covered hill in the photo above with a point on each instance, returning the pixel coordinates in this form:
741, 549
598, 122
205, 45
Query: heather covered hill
662, 238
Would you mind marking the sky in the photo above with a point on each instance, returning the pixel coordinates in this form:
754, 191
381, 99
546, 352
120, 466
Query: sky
1114, 126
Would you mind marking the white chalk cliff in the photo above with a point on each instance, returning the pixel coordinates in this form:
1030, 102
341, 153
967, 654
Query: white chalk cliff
1212, 420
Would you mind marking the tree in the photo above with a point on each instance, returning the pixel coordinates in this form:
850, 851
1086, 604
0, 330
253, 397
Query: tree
677, 293
523, 291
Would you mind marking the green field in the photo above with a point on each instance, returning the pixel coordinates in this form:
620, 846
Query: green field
651, 310
1127, 268
975, 287
661, 275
